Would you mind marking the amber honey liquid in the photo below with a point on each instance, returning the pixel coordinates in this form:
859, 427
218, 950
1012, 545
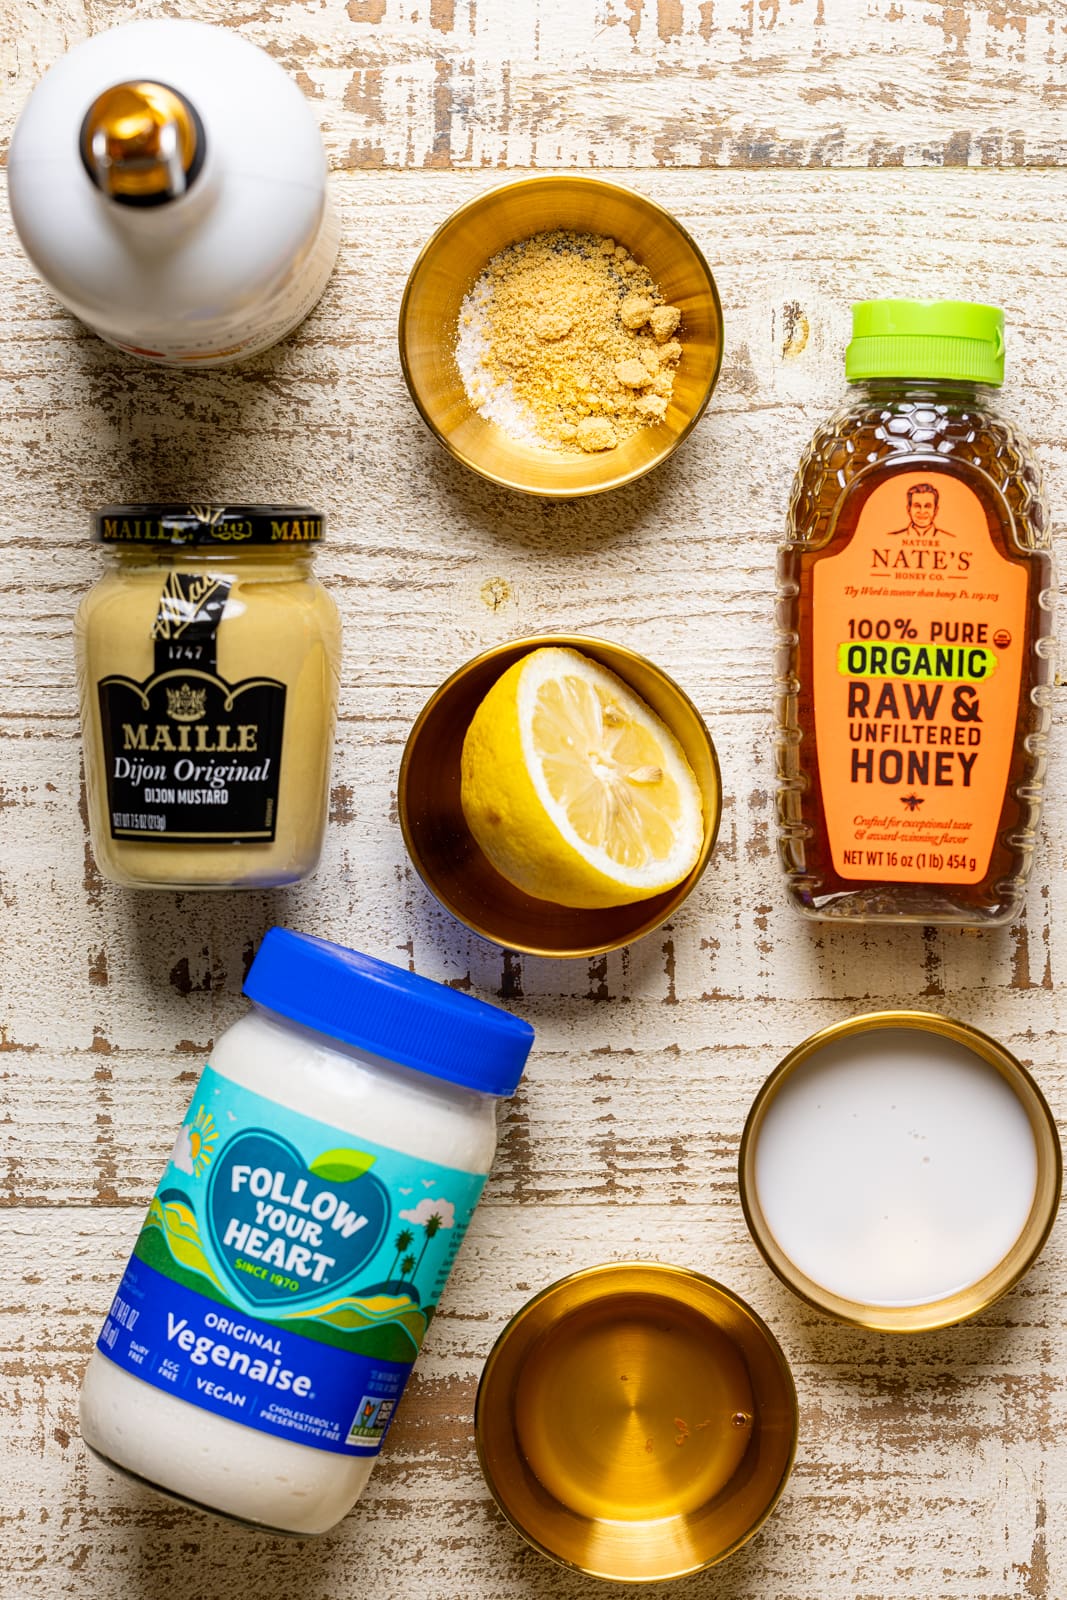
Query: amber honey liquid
634, 1411
929, 430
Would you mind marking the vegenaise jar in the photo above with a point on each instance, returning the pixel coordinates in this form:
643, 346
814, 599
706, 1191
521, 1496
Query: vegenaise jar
301, 1235
208, 665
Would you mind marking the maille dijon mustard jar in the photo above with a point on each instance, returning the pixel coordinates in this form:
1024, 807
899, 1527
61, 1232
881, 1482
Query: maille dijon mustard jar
208, 662
915, 649
168, 182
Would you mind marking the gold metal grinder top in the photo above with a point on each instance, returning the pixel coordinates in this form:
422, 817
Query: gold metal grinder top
142, 143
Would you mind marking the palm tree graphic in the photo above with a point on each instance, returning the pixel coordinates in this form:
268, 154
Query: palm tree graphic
403, 1241
406, 1266
432, 1226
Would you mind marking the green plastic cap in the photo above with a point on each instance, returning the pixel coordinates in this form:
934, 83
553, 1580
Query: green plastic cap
951, 339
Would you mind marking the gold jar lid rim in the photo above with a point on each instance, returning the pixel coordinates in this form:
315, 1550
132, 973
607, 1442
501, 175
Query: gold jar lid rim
205, 525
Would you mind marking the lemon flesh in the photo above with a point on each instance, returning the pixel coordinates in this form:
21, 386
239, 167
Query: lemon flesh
573, 787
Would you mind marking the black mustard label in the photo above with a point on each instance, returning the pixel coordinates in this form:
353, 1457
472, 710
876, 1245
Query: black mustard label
188, 756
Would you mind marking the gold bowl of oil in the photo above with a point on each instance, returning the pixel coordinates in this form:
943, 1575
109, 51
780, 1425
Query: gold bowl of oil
636, 1422
452, 261
445, 853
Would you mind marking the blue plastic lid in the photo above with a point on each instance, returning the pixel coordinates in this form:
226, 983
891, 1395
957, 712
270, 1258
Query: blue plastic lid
389, 1012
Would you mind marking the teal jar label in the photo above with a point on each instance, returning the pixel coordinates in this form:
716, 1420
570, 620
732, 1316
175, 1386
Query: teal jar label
286, 1272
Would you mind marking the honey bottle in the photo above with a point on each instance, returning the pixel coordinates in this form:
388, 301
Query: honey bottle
914, 646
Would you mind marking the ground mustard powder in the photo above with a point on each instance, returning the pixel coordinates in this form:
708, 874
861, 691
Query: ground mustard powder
565, 341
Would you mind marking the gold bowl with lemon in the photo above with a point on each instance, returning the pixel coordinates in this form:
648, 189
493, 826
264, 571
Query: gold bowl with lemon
560, 795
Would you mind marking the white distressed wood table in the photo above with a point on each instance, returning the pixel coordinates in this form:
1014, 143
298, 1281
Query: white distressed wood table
821, 151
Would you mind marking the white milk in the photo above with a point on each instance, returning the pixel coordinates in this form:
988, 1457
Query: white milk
896, 1167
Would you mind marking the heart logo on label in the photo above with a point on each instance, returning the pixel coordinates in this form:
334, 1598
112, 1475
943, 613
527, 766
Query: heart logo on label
285, 1232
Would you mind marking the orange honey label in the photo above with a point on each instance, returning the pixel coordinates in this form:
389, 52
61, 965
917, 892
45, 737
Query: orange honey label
918, 635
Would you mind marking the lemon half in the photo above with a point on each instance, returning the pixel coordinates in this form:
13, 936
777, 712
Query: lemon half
574, 788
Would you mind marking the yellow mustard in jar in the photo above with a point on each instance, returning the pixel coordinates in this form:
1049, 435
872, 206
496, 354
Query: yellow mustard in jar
208, 665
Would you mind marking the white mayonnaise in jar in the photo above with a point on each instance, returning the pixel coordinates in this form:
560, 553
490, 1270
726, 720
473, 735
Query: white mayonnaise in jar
298, 1243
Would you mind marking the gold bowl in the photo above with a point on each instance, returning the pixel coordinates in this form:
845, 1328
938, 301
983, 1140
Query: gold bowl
636, 1422
961, 1303
451, 263
452, 865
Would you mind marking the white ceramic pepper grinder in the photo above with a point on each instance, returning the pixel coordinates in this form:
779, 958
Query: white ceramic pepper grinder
168, 182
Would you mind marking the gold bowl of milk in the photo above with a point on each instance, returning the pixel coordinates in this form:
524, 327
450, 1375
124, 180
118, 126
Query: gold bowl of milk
636, 1422
900, 1171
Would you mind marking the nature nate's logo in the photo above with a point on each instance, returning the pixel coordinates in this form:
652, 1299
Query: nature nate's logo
922, 545
283, 1230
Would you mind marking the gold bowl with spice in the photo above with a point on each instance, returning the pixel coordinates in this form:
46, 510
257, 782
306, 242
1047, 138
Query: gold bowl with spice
437, 828
636, 1422
561, 335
